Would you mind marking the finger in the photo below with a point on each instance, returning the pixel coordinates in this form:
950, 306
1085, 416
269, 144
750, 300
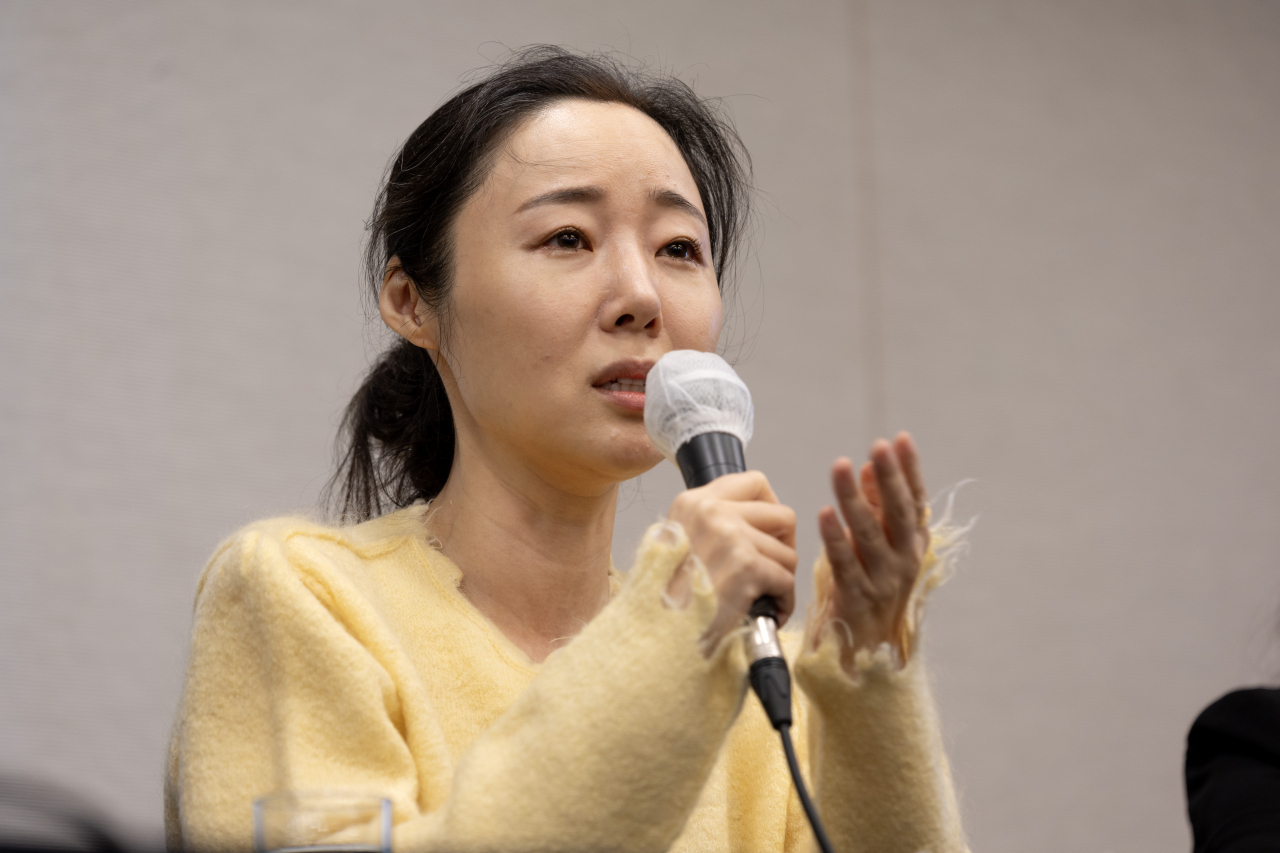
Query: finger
836, 541
765, 577
869, 487
909, 458
780, 584
744, 486
776, 520
868, 537
738, 544
786, 606
775, 550
899, 507
843, 483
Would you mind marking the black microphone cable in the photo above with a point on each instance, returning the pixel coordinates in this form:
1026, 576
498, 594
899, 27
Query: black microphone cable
771, 681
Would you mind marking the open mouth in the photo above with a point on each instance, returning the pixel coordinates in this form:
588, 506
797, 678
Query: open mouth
622, 383
632, 385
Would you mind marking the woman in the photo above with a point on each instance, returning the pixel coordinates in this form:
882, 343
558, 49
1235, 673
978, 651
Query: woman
541, 240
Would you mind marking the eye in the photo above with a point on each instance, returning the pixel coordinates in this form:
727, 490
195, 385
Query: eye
684, 250
569, 239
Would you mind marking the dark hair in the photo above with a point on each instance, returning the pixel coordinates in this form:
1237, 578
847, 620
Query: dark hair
396, 441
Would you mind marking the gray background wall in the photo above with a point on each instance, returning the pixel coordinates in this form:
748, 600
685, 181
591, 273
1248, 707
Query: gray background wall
1040, 235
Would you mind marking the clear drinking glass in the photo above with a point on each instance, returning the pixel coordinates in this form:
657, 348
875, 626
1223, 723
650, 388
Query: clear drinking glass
327, 821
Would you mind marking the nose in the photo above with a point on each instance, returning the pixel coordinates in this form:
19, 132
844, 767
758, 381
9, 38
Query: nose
633, 303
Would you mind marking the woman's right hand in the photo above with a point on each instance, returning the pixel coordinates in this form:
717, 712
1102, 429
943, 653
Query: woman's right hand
747, 541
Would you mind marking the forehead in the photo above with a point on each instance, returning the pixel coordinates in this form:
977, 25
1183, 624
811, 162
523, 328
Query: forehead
585, 141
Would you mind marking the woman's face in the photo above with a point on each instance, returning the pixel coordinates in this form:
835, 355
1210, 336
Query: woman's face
582, 258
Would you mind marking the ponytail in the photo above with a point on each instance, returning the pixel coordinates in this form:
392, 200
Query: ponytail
397, 437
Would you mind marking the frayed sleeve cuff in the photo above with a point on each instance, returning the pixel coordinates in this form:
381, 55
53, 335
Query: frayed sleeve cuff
946, 543
878, 764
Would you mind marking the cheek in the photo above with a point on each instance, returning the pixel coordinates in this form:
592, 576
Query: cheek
493, 308
510, 333
693, 321
543, 322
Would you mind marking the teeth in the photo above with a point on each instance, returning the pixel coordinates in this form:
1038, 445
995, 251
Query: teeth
625, 385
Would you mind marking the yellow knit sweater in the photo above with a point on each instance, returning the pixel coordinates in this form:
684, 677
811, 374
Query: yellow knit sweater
329, 657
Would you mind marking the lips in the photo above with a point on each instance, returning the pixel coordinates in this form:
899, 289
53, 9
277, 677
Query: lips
624, 375
623, 383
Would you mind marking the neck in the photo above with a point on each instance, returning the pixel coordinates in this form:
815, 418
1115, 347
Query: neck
534, 558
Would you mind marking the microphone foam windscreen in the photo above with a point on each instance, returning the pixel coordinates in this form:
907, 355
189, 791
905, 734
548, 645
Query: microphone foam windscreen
690, 393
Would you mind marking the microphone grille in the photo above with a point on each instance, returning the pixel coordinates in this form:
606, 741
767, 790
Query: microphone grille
690, 393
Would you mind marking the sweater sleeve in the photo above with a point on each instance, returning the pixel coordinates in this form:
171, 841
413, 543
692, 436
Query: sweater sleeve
607, 749
880, 772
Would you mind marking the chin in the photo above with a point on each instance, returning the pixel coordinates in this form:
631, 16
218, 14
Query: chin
633, 461
607, 453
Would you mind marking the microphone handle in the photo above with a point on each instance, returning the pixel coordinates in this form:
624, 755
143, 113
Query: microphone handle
710, 455
702, 459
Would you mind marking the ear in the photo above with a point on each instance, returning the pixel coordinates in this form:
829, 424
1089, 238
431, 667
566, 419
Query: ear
404, 311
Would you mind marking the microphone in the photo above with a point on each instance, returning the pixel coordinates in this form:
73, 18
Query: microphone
698, 412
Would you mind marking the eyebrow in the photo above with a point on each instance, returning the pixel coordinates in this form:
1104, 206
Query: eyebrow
566, 196
671, 198
573, 195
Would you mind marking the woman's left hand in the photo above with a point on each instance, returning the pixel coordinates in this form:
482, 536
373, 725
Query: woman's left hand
876, 559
